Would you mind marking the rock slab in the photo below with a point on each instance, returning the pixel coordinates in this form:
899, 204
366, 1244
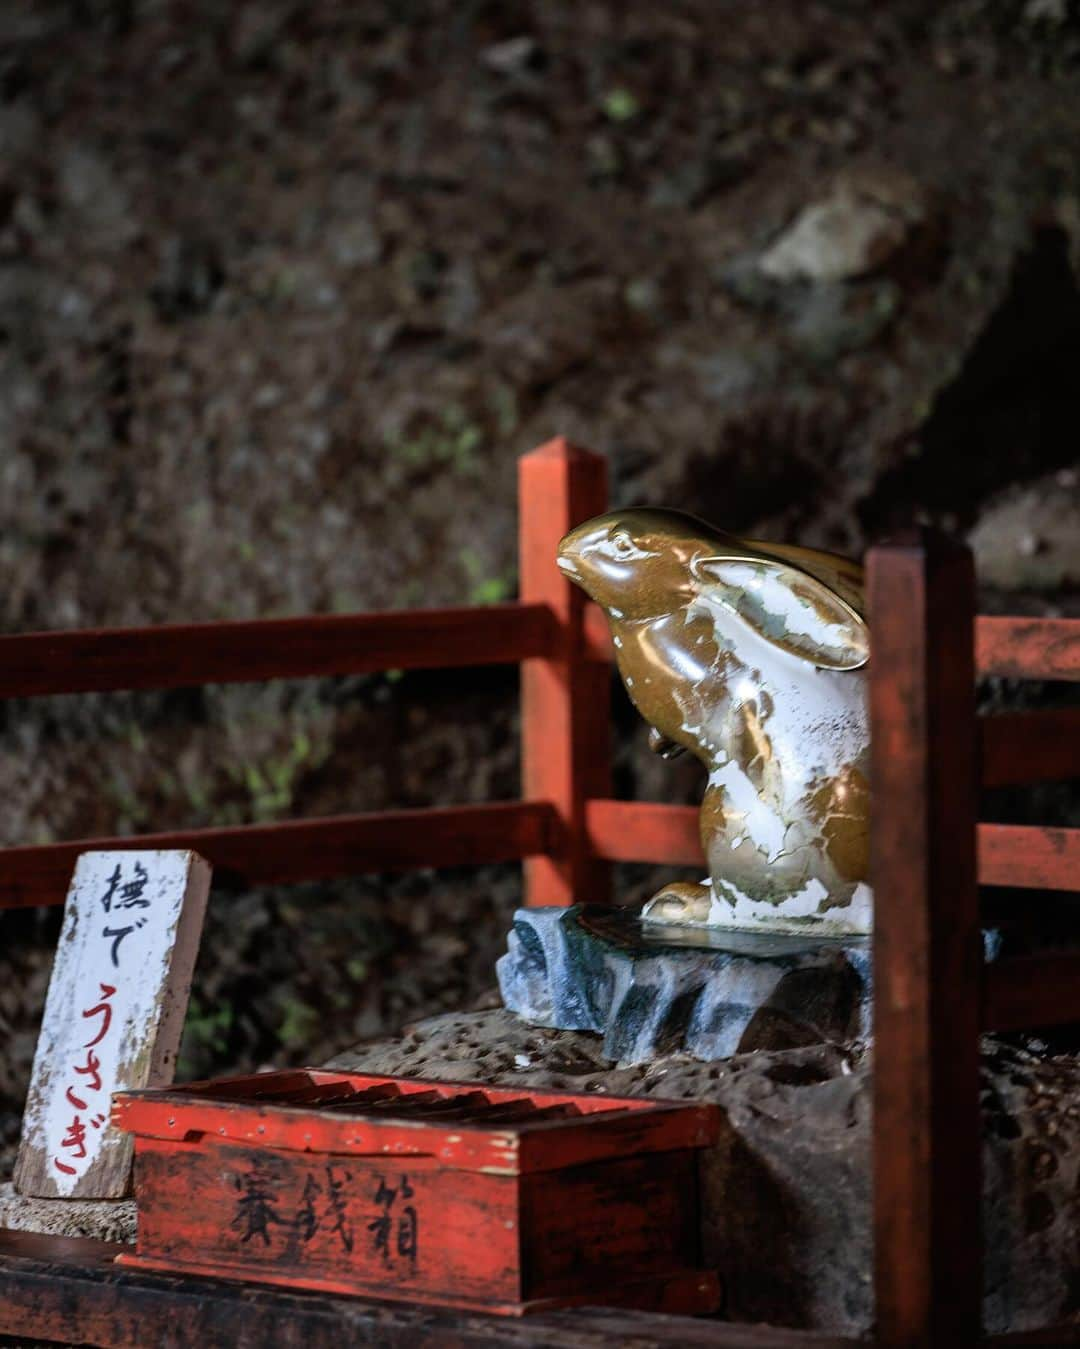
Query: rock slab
100, 1219
650, 988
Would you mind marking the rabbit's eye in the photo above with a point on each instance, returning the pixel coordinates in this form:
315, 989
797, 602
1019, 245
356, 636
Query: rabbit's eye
622, 546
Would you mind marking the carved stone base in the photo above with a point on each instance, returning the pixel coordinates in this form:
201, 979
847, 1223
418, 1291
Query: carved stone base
652, 989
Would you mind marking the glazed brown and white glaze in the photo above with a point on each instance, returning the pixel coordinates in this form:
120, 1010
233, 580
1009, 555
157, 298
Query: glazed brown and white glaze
751, 656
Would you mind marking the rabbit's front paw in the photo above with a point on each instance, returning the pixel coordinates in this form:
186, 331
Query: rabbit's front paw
680, 902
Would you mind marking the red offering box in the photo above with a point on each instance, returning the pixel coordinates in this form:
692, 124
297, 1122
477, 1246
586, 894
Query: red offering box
487, 1198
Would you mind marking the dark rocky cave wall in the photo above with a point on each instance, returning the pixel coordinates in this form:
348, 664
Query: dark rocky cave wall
285, 288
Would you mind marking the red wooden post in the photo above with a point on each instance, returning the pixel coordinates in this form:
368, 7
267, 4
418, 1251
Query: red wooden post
927, 948
565, 717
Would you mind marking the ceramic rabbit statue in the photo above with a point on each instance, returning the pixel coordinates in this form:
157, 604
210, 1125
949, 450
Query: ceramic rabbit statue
751, 657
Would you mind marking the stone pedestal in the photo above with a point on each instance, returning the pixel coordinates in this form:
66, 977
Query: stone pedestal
651, 989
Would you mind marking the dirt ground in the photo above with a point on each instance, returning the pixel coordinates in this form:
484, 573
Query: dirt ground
285, 289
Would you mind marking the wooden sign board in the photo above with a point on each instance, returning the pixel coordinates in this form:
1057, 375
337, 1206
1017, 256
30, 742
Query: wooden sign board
113, 1016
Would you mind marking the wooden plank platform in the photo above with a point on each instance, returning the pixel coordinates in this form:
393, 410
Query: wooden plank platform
58, 1288
69, 1290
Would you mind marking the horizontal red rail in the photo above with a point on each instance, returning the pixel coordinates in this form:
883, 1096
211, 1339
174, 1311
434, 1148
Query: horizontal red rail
1028, 648
1041, 746
1019, 648
643, 831
176, 655
307, 850
1029, 856
1033, 857
1016, 747
1025, 992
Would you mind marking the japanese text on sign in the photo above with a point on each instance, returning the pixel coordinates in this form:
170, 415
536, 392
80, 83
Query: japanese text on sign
113, 1014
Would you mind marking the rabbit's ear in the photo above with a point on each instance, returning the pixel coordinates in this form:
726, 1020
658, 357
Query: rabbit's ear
788, 608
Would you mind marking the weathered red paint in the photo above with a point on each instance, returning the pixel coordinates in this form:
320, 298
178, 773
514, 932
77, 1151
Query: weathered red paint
354, 1184
1028, 648
927, 944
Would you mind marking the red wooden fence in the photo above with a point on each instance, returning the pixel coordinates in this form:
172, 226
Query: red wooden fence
567, 828
930, 754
